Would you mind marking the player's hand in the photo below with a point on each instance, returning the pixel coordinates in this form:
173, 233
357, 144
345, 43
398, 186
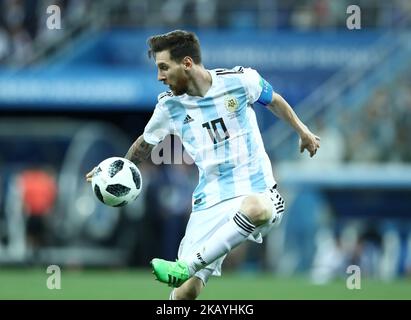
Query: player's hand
90, 175
309, 141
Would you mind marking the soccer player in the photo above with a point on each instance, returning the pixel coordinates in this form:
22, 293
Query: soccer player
212, 112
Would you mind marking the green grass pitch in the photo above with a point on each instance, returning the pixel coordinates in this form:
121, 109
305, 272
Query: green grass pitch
23, 283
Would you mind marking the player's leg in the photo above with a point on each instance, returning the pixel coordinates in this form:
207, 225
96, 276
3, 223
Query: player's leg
199, 228
189, 290
257, 208
255, 211
192, 288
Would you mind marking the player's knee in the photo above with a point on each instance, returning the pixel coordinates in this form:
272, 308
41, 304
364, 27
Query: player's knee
189, 290
256, 210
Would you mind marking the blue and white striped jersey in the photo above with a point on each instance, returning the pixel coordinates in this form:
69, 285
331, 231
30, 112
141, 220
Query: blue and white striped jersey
220, 132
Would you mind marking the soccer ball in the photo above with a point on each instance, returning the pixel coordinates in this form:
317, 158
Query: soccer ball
116, 181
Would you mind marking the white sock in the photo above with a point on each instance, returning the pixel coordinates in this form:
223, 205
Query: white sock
226, 238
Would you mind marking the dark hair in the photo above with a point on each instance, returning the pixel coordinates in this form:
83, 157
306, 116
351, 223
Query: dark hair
179, 43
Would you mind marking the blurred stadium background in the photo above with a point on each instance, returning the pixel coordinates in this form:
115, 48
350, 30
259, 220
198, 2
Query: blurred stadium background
71, 97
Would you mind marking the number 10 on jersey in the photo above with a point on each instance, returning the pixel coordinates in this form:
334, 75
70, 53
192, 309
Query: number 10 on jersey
214, 128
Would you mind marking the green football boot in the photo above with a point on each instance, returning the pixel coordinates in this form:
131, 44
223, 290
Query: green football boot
172, 273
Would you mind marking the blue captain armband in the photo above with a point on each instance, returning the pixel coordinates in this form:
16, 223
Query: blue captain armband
266, 95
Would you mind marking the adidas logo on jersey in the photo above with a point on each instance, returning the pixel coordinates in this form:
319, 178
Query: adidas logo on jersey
187, 119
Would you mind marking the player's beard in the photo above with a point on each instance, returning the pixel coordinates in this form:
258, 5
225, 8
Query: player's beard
180, 87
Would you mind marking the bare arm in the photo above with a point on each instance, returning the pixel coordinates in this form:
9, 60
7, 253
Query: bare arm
139, 150
283, 110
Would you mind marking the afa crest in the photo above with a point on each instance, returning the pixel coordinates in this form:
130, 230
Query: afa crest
231, 103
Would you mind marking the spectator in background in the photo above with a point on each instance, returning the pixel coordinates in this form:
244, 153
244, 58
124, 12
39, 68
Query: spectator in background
168, 202
402, 111
25, 21
4, 44
174, 197
380, 129
14, 16
39, 191
171, 199
25, 25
